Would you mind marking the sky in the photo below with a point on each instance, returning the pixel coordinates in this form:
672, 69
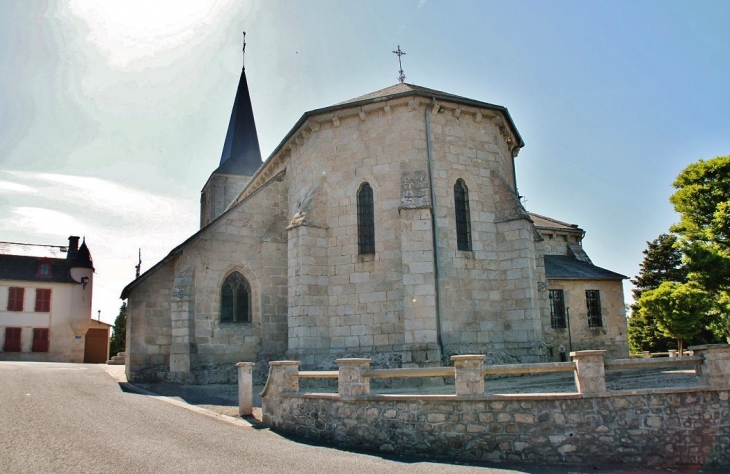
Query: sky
113, 114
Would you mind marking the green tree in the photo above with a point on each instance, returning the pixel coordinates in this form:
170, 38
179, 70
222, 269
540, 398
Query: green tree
118, 340
703, 201
662, 262
680, 309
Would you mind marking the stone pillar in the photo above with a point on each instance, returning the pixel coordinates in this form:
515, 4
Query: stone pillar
245, 388
468, 374
646, 355
590, 376
714, 370
308, 300
351, 381
181, 318
672, 353
283, 377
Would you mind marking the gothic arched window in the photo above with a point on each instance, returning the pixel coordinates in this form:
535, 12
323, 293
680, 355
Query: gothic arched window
463, 222
365, 220
235, 299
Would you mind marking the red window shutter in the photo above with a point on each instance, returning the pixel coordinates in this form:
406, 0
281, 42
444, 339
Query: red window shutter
40, 340
12, 340
42, 300
15, 298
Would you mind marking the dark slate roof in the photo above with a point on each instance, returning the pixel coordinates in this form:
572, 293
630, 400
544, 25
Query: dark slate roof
241, 154
561, 267
24, 268
82, 258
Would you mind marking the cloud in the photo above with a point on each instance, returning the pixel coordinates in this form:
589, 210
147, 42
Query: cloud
421, 3
116, 221
9, 187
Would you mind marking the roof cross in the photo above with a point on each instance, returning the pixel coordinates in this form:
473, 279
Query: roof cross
243, 51
399, 53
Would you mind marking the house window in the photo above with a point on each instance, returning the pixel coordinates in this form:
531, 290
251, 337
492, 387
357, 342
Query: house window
235, 299
15, 298
42, 300
463, 222
593, 304
44, 269
557, 309
365, 220
12, 340
40, 339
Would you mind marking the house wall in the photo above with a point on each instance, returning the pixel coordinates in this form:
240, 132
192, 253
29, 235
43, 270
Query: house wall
64, 345
610, 337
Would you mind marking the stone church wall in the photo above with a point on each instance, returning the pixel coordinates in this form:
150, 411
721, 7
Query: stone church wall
250, 239
342, 303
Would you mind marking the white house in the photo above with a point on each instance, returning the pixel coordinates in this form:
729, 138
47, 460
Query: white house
45, 304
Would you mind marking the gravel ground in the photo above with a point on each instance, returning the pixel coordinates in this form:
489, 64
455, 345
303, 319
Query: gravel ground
223, 399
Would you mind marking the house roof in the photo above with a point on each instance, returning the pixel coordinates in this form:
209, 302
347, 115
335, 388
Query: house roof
33, 250
241, 154
550, 223
562, 267
25, 268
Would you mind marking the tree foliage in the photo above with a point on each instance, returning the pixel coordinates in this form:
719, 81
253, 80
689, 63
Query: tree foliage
703, 201
680, 309
662, 262
118, 340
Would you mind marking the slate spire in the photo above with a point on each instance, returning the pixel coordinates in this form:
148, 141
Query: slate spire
241, 154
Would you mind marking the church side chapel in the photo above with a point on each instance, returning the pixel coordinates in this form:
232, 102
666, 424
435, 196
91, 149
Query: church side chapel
388, 226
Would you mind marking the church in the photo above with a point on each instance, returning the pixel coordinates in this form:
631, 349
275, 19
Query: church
387, 226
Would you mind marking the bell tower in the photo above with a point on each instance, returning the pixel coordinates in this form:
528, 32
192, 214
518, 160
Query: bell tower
240, 159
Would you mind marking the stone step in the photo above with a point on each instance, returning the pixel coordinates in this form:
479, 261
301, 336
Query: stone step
117, 359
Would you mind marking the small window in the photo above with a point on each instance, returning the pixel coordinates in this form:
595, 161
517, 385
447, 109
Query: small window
463, 221
557, 309
593, 305
40, 340
365, 220
15, 298
235, 299
12, 340
44, 269
42, 300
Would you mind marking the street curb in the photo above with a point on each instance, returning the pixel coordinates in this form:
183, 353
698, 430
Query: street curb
122, 381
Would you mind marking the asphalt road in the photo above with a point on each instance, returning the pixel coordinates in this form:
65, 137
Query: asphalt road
59, 418
74, 418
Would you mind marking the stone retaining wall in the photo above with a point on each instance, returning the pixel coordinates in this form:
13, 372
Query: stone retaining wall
665, 427
672, 427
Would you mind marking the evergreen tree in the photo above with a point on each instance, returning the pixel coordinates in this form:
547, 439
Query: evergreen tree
118, 341
662, 262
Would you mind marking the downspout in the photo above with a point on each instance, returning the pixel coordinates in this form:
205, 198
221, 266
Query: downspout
436, 282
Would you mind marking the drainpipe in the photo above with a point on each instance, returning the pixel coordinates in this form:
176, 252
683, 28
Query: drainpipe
427, 118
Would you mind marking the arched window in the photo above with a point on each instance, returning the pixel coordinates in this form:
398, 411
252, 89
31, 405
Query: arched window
365, 220
235, 299
463, 222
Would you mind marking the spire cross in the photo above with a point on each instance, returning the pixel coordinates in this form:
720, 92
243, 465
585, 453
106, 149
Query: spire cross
399, 53
243, 51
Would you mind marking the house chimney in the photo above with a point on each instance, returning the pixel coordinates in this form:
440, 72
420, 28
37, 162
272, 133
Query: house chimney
73, 247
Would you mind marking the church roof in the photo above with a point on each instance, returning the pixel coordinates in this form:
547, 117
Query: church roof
562, 267
241, 154
404, 89
543, 222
